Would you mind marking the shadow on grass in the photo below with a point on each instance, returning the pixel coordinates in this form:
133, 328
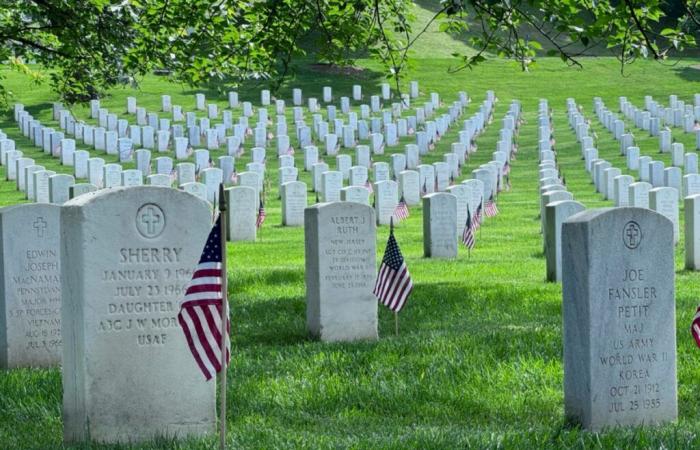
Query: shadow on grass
688, 73
307, 74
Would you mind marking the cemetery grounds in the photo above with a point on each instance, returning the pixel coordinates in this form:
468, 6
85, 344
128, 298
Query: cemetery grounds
478, 361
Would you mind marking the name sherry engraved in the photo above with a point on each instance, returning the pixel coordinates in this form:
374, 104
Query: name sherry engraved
351, 261
37, 290
632, 352
146, 289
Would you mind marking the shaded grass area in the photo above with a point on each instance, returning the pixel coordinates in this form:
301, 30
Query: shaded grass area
478, 362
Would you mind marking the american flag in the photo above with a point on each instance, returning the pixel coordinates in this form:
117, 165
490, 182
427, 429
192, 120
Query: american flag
468, 237
491, 209
234, 176
393, 285
401, 211
261, 215
290, 151
369, 187
477, 216
200, 312
695, 327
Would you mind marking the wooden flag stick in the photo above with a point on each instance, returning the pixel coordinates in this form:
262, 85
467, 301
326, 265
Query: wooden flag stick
224, 318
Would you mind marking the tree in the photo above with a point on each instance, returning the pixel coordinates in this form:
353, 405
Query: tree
629, 29
89, 46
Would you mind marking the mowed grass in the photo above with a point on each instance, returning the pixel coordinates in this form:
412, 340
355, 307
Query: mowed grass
478, 362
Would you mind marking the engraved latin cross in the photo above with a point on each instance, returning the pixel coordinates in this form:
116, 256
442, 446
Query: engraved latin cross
40, 226
151, 219
632, 235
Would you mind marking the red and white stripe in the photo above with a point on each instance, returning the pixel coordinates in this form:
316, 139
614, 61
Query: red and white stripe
393, 286
200, 318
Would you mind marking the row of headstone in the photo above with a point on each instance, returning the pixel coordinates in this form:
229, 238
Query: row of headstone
658, 189
556, 203
102, 175
385, 193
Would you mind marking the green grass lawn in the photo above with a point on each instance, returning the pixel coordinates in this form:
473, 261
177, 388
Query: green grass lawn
478, 362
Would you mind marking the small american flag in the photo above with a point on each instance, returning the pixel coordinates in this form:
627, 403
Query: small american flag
200, 312
491, 209
401, 211
234, 176
290, 151
468, 237
393, 285
369, 187
695, 327
477, 216
261, 215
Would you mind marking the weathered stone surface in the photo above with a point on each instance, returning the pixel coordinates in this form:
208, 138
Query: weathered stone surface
242, 213
440, 225
692, 232
132, 252
557, 212
638, 194
386, 197
340, 271
30, 286
294, 201
619, 318
664, 200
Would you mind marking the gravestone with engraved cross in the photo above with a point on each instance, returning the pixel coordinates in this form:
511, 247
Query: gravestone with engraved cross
124, 351
619, 318
30, 287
